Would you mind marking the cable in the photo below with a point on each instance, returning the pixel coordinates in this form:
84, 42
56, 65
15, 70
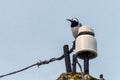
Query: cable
1, 76
39, 63
80, 70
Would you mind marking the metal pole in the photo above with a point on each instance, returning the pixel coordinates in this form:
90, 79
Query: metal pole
101, 77
74, 63
67, 58
86, 63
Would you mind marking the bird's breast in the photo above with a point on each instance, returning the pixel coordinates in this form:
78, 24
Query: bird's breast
75, 31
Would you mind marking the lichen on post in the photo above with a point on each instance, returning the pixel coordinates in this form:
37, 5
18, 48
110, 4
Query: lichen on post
77, 76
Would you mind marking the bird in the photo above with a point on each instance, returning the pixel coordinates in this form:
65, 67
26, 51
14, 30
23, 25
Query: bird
74, 26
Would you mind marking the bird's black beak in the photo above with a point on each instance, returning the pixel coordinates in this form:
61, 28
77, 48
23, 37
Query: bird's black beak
69, 20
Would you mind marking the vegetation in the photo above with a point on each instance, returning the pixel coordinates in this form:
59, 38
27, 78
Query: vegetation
77, 76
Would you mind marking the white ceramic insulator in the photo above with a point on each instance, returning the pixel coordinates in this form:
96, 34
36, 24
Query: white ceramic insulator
86, 43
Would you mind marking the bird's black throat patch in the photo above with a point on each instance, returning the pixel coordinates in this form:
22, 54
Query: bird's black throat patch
74, 23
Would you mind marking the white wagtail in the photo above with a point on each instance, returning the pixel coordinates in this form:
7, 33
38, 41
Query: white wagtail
74, 26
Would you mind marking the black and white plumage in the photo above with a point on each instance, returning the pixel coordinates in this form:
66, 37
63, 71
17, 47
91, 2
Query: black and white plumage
74, 26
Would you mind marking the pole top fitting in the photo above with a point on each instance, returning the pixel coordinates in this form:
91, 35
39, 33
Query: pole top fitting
86, 43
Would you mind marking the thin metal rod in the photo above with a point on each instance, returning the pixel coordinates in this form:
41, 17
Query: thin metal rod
101, 77
74, 63
67, 58
86, 63
80, 69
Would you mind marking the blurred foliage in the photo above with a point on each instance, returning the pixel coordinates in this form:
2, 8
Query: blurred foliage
77, 76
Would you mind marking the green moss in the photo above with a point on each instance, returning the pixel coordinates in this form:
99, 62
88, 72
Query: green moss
77, 76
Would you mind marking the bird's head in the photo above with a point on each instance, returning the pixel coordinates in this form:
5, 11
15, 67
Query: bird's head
74, 22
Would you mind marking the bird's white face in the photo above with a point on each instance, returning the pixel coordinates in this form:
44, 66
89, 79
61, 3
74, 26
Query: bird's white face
74, 19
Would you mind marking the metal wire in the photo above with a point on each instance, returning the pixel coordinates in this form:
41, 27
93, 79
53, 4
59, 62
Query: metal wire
39, 63
11, 73
80, 70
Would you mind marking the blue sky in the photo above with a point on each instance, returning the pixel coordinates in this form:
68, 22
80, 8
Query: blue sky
33, 30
